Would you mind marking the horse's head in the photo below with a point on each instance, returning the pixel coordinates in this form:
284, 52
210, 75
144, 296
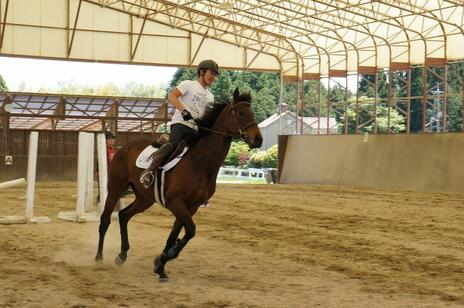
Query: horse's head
242, 120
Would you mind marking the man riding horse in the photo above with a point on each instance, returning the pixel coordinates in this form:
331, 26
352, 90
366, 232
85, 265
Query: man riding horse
191, 98
192, 181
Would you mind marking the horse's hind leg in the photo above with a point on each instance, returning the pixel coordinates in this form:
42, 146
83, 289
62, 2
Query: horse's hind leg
114, 193
139, 205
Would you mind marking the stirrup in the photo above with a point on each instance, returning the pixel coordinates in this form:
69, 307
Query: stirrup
146, 178
206, 204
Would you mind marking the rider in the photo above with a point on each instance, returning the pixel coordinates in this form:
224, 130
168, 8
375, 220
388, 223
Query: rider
190, 97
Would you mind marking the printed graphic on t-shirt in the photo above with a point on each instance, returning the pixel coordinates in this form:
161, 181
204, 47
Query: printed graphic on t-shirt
195, 99
200, 101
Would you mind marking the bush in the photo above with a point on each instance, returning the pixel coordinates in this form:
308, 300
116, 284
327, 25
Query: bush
238, 154
270, 159
256, 159
264, 159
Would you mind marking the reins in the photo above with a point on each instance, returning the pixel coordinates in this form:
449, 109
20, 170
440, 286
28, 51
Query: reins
241, 130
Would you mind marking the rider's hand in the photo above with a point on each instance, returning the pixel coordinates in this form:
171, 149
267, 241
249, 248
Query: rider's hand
186, 115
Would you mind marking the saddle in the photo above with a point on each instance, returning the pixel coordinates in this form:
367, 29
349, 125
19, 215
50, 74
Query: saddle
164, 138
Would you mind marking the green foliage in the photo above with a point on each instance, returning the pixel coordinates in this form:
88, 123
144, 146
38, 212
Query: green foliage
3, 86
180, 75
264, 88
241, 156
397, 121
264, 159
110, 89
238, 154
271, 157
143, 90
222, 88
257, 158
264, 104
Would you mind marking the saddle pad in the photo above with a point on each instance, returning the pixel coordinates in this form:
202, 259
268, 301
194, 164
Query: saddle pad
143, 160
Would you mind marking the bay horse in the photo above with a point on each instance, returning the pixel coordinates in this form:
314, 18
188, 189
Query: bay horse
191, 183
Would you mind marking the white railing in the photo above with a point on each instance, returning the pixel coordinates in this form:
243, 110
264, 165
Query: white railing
250, 173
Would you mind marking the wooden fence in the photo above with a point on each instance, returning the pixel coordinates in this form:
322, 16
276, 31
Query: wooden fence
57, 154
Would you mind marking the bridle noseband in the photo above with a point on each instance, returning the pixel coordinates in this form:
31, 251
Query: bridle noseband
240, 133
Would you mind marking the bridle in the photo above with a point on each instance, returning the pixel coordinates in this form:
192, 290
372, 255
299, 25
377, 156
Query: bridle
241, 132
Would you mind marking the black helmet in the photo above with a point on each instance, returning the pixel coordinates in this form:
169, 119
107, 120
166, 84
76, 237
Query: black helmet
109, 135
208, 64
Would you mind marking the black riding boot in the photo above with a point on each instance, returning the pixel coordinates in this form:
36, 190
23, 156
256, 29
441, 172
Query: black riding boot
147, 177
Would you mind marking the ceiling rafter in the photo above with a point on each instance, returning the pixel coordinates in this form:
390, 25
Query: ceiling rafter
302, 33
363, 31
399, 25
278, 49
302, 36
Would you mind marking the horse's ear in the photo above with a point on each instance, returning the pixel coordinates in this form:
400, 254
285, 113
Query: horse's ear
236, 94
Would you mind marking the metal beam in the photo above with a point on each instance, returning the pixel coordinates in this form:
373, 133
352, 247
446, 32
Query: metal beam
2, 29
74, 27
138, 37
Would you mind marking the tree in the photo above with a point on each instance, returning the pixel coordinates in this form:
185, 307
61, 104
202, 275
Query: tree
180, 75
264, 104
397, 121
271, 158
222, 87
256, 159
3, 86
454, 102
264, 159
142, 90
238, 152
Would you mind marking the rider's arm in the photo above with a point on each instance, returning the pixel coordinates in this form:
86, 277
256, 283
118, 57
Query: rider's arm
174, 99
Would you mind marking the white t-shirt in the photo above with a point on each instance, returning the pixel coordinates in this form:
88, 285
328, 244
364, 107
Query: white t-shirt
195, 98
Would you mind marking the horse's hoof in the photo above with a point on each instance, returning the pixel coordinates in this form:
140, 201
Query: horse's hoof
99, 259
118, 261
163, 279
159, 269
157, 264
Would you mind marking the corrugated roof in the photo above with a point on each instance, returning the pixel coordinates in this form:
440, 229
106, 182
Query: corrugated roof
303, 39
308, 121
83, 112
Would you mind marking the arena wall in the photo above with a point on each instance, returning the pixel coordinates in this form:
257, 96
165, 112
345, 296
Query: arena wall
420, 162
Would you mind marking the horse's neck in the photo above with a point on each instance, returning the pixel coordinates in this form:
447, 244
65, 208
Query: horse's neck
214, 147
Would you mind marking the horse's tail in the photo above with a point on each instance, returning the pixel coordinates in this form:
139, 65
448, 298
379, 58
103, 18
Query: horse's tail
122, 171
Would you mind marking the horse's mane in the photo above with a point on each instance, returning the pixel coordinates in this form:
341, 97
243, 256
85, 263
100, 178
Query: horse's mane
213, 111
211, 114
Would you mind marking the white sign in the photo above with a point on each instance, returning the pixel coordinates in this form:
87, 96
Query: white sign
8, 160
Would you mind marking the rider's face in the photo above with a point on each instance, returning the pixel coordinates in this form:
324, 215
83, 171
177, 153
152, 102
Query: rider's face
210, 77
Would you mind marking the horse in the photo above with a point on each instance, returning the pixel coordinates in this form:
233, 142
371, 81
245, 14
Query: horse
191, 183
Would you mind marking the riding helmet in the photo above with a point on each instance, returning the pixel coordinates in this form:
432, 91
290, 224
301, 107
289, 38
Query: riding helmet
208, 64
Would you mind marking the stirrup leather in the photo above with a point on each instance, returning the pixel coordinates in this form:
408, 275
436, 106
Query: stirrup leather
147, 178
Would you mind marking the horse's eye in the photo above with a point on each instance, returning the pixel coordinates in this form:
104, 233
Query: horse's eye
241, 113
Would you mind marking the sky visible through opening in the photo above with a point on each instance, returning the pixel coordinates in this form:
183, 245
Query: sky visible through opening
35, 73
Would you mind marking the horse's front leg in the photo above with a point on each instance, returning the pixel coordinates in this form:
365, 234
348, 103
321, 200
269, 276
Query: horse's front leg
174, 246
172, 240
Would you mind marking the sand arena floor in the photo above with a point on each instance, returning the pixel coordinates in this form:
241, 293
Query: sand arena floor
256, 246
